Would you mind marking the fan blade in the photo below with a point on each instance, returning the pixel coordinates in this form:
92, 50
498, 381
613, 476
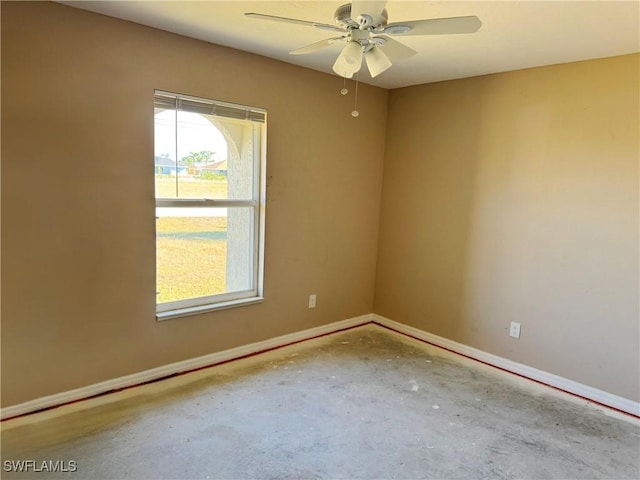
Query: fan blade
394, 49
321, 26
377, 61
373, 8
435, 26
315, 46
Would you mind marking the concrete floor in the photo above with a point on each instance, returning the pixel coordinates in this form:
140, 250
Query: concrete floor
365, 403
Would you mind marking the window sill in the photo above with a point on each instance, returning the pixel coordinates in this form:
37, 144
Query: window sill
185, 312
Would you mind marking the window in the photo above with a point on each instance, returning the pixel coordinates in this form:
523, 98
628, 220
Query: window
209, 180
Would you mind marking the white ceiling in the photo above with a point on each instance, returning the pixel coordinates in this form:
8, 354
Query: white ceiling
514, 34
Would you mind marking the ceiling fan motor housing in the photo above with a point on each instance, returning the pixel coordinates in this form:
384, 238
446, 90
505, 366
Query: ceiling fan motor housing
343, 18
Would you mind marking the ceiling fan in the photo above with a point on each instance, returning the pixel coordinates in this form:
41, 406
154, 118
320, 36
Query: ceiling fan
363, 28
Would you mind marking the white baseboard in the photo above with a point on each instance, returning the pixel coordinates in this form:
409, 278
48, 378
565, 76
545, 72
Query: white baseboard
178, 367
561, 383
593, 394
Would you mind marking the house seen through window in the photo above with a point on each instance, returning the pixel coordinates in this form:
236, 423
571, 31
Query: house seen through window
209, 167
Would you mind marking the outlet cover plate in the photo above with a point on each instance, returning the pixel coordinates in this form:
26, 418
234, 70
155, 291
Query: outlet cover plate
514, 330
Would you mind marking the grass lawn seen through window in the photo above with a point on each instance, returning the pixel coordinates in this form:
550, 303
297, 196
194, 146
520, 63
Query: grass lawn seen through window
191, 251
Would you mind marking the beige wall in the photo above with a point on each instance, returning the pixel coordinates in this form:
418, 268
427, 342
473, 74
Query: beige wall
514, 197
78, 259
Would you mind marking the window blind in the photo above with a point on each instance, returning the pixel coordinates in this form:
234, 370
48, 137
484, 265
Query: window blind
186, 103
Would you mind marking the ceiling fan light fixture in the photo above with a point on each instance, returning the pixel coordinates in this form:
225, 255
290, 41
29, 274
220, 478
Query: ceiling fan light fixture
377, 61
349, 61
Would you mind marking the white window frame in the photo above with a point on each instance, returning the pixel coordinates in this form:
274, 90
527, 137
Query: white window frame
257, 203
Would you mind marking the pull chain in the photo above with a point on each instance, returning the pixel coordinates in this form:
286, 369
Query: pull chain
355, 112
344, 90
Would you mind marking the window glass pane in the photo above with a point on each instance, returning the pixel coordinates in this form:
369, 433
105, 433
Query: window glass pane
203, 251
215, 156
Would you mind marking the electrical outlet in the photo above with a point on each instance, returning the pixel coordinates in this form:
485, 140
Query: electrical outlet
312, 300
514, 330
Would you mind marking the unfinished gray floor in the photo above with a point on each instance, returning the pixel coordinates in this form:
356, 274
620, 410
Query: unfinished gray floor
365, 403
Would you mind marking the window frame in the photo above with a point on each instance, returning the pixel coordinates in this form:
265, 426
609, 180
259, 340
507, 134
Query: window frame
257, 204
